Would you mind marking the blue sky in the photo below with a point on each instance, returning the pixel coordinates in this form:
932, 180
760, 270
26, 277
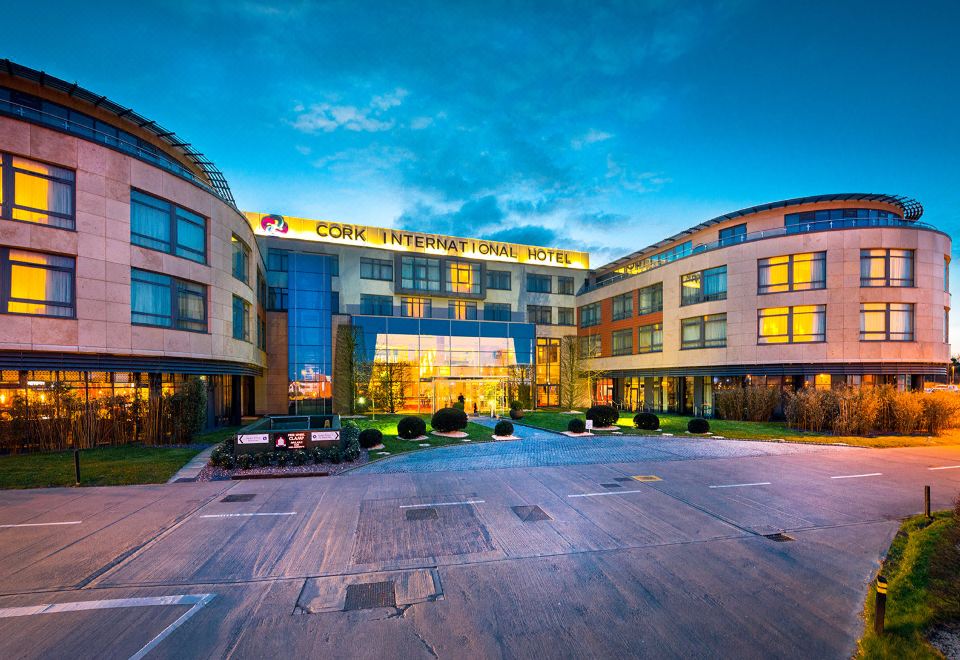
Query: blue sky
590, 125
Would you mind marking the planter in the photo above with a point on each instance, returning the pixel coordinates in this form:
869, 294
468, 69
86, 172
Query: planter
516, 414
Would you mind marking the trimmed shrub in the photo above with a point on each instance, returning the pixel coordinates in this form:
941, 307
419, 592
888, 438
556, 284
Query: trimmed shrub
335, 455
411, 428
603, 415
447, 420
244, 461
516, 405
281, 458
698, 425
349, 433
503, 427
319, 455
298, 457
576, 425
262, 459
459, 405
368, 438
646, 421
940, 411
351, 451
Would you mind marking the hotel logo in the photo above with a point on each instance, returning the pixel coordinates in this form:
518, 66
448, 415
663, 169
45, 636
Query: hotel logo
274, 224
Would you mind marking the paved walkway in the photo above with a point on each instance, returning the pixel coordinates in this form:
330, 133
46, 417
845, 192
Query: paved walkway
538, 447
191, 470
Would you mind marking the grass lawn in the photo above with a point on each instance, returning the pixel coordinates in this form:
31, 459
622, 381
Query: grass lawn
923, 573
391, 443
677, 425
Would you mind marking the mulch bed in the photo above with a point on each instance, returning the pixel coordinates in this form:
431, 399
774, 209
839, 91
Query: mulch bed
214, 473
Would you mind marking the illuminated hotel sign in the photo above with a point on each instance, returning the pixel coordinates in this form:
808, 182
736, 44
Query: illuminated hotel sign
409, 241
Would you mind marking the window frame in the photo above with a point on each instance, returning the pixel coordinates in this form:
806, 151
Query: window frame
702, 321
534, 313
886, 322
246, 334
593, 341
376, 268
595, 320
275, 294
702, 276
886, 280
172, 218
654, 348
539, 277
624, 300
174, 286
570, 312
469, 307
620, 334
8, 172
658, 307
495, 310
732, 234
820, 256
494, 275
791, 314
408, 303
378, 304
416, 262
6, 283
245, 252
565, 285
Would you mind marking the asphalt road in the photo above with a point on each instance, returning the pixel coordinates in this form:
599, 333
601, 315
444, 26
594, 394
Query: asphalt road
459, 563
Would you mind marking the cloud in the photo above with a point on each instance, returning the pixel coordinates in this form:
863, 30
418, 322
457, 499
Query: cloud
590, 137
466, 220
526, 234
328, 117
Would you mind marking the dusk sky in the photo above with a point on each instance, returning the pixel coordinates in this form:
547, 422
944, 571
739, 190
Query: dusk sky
596, 126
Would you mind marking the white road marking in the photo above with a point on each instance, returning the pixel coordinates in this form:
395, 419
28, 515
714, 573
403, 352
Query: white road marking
247, 515
607, 492
946, 467
857, 476
758, 483
196, 600
66, 522
421, 506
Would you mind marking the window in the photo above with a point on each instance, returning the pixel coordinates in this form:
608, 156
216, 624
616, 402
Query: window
622, 342
623, 306
792, 325
376, 269
704, 332
650, 338
241, 319
498, 279
886, 267
589, 346
590, 315
463, 277
792, 272
261, 288
946, 325
163, 226
462, 310
277, 298
277, 260
167, 302
241, 259
334, 302
735, 234
703, 286
334, 261
650, 299
946, 273
261, 332
838, 219
37, 283
418, 308
496, 312
649, 263
539, 283
886, 322
376, 305
36, 192
564, 285
540, 314
420, 273
565, 316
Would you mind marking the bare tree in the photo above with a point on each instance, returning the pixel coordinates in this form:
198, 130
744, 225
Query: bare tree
388, 384
577, 376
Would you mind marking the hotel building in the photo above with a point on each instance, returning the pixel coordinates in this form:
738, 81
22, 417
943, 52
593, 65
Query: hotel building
127, 268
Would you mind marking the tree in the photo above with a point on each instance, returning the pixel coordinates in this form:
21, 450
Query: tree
351, 369
577, 376
388, 384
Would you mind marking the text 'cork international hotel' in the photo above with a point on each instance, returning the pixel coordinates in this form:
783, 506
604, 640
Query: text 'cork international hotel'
126, 266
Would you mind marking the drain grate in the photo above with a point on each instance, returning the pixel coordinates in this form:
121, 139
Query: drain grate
611, 485
779, 537
246, 497
370, 595
426, 513
531, 513
622, 479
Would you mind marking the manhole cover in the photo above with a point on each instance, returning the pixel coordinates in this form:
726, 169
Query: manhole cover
246, 497
427, 513
611, 485
779, 537
369, 595
531, 513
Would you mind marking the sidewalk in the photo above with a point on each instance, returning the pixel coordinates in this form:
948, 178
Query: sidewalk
191, 470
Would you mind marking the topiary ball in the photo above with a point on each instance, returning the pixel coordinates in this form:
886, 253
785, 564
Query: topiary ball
411, 428
368, 438
646, 421
503, 428
448, 420
698, 425
603, 416
576, 425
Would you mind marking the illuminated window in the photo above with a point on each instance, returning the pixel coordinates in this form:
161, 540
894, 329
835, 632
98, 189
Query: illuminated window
167, 302
462, 310
565, 285
418, 308
36, 192
622, 342
160, 225
540, 314
703, 286
590, 315
704, 332
376, 305
37, 283
241, 319
420, 273
886, 322
376, 269
539, 283
463, 277
792, 325
623, 306
241, 259
589, 346
650, 338
823, 381
498, 279
565, 316
496, 312
650, 299
886, 267
792, 272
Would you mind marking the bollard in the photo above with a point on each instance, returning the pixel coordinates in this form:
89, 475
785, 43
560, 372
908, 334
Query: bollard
881, 605
76, 464
926, 502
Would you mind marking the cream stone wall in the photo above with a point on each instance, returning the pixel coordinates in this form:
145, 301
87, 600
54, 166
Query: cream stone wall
104, 256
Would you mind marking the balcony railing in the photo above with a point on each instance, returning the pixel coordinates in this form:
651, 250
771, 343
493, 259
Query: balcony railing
801, 228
